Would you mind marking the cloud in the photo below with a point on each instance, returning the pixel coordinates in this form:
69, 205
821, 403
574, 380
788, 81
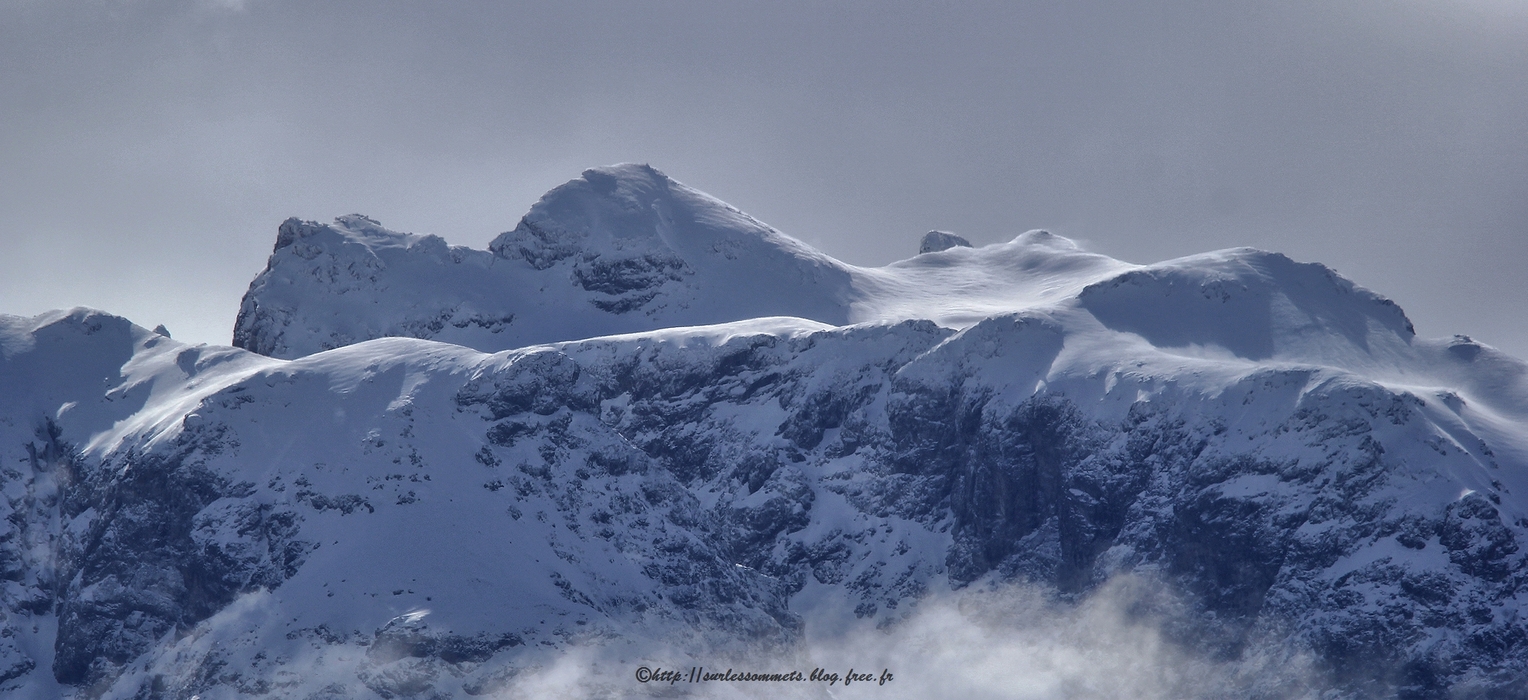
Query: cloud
1131, 638
1124, 640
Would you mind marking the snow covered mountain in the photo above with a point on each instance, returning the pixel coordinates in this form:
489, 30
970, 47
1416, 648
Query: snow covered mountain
644, 429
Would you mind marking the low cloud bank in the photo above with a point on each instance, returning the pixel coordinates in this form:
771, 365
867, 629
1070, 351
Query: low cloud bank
1130, 638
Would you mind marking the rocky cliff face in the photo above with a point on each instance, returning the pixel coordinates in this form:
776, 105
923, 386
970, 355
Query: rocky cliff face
1267, 444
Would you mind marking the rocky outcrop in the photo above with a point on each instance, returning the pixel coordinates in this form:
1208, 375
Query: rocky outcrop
935, 241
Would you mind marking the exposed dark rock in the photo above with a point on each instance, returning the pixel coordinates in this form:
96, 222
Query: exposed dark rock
935, 241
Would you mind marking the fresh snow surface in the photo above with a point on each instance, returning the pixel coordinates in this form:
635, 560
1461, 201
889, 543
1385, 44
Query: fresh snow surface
645, 429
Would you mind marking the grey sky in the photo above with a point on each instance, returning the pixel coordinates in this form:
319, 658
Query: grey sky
150, 148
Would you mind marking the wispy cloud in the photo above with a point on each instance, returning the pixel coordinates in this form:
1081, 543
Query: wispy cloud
1131, 638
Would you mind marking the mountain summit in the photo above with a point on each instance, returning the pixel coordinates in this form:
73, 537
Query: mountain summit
621, 249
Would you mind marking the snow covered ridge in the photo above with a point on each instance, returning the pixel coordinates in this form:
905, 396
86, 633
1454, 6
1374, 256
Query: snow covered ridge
1228, 474
618, 250
626, 249
622, 249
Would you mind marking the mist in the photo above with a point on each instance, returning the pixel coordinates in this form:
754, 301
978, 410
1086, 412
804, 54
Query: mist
1132, 637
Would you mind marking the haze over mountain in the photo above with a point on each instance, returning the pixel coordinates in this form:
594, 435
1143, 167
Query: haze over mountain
644, 428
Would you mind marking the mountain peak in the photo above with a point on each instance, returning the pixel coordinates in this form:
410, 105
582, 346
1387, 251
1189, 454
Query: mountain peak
610, 178
1046, 238
620, 249
935, 241
633, 210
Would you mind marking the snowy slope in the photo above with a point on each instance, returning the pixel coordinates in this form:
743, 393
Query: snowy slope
714, 490
326, 497
1277, 487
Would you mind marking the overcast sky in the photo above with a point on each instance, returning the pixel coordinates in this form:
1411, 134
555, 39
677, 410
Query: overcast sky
150, 148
